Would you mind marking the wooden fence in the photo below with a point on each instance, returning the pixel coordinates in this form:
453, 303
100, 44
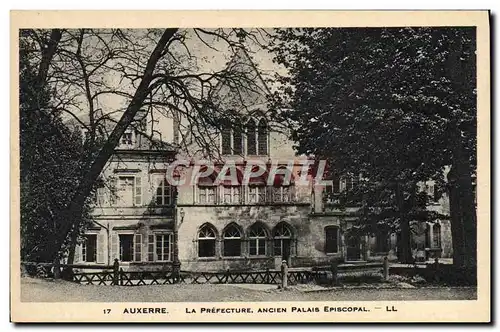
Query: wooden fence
114, 275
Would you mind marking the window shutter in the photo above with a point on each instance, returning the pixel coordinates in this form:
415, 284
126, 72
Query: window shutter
78, 254
115, 252
101, 248
138, 190
137, 247
171, 247
151, 248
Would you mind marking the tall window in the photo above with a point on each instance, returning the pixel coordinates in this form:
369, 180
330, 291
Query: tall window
331, 239
163, 194
226, 140
206, 241
436, 235
282, 239
126, 247
237, 140
232, 241
232, 140
163, 247
129, 191
257, 240
262, 137
89, 248
251, 138
231, 195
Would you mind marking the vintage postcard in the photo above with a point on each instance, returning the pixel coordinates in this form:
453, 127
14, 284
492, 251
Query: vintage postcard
250, 166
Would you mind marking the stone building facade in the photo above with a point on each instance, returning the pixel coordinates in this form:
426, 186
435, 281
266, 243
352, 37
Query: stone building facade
146, 223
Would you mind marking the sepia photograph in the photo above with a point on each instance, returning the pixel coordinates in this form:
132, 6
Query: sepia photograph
300, 169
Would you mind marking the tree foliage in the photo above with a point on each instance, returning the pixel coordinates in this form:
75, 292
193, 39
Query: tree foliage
397, 105
50, 168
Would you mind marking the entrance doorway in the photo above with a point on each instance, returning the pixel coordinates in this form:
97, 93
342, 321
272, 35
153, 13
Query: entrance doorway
353, 247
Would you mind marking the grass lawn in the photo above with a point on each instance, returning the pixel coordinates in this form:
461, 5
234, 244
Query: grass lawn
38, 290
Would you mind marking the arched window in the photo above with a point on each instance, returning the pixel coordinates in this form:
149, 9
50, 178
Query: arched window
262, 137
257, 240
206, 241
232, 241
251, 138
238, 139
436, 235
282, 239
226, 140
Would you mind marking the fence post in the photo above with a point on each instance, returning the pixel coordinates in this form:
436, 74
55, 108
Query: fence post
116, 271
436, 269
57, 268
386, 268
335, 272
227, 276
121, 276
284, 275
267, 276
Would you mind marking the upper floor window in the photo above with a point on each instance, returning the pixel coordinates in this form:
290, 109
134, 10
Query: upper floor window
226, 141
231, 195
283, 194
257, 194
129, 191
163, 194
207, 190
232, 140
251, 138
127, 139
262, 138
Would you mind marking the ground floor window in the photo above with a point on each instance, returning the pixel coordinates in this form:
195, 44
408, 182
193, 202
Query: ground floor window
163, 247
130, 247
89, 248
206, 241
282, 240
232, 242
331, 239
381, 242
436, 235
257, 241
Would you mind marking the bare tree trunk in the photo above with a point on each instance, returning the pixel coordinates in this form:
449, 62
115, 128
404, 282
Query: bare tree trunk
457, 230
405, 255
47, 56
76, 205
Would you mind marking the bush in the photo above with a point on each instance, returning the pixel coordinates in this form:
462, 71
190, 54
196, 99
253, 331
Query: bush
365, 278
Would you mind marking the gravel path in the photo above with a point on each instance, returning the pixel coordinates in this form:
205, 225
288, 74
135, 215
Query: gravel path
37, 290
